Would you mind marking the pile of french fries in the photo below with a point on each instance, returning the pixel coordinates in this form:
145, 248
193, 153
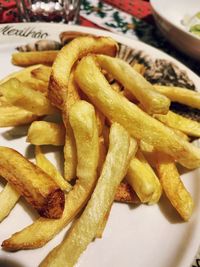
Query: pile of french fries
119, 138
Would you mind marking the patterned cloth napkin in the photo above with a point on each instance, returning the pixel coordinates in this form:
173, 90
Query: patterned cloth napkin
137, 8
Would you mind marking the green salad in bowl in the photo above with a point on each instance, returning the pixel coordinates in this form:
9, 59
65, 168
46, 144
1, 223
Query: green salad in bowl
193, 23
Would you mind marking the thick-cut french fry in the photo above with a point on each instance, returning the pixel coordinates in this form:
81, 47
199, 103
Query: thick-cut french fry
43, 229
143, 180
25, 59
46, 133
102, 153
36, 186
85, 229
138, 123
70, 157
66, 58
180, 95
102, 225
37, 85
14, 116
172, 185
126, 194
84, 128
70, 154
25, 76
22, 96
8, 198
50, 169
42, 73
72, 95
173, 120
22, 75
134, 82
140, 69
181, 134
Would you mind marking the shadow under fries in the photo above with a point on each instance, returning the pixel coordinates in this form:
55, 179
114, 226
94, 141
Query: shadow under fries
30, 152
168, 210
181, 169
15, 132
133, 206
3, 182
10, 263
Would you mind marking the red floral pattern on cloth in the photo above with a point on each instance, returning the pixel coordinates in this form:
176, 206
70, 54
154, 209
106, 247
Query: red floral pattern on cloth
137, 8
8, 11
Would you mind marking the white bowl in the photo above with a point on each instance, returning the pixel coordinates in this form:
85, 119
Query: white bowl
169, 17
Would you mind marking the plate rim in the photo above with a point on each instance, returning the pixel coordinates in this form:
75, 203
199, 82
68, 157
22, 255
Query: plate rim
119, 38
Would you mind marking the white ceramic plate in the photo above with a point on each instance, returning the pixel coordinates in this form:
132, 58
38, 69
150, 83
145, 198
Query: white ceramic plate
168, 17
137, 236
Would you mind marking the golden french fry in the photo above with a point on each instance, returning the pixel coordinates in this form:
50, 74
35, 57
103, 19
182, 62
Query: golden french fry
22, 75
173, 120
22, 96
46, 133
102, 225
172, 185
138, 123
25, 59
147, 151
42, 73
180, 95
78, 118
36, 186
66, 58
43, 229
140, 69
37, 85
70, 157
70, 154
102, 154
143, 180
50, 169
134, 82
181, 134
21, 116
25, 76
72, 96
85, 229
126, 194
8, 198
